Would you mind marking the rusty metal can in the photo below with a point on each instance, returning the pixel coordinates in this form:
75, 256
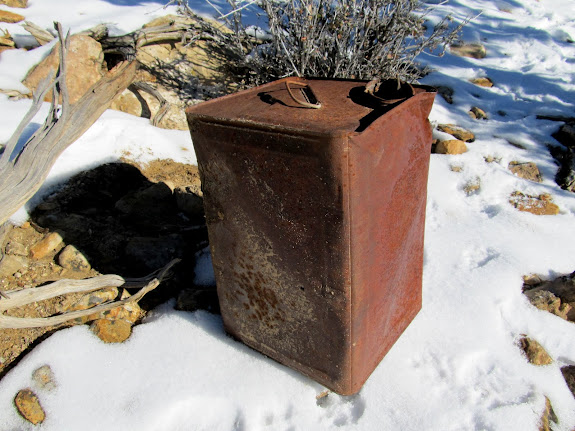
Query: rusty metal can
315, 194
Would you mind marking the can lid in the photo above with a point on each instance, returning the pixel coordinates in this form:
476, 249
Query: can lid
329, 107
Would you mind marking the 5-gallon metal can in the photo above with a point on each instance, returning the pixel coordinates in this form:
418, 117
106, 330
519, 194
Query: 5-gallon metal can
315, 194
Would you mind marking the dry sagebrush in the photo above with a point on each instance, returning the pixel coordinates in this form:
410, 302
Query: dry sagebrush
360, 39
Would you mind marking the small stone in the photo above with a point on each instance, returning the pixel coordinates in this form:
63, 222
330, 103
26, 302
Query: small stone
10, 265
491, 159
16, 249
457, 132
91, 300
526, 170
478, 113
547, 417
569, 376
44, 378
451, 146
538, 205
71, 258
472, 187
111, 331
547, 301
456, 168
26, 225
446, 93
10, 17
29, 406
471, 50
45, 246
130, 312
531, 281
15, 3
534, 352
482, 82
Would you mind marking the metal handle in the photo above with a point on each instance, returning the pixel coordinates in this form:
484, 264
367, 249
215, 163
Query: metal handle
306, 92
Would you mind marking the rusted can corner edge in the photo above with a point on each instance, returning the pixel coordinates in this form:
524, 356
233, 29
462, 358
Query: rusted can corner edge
247, 124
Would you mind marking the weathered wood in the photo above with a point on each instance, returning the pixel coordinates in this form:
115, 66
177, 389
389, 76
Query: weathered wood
23, 172
42, 36
61, 287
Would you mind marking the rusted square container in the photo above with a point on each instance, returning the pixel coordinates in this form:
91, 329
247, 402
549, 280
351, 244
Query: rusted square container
316, 219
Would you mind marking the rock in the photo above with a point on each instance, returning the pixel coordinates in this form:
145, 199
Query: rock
472, 187
478, 114
130, 312
566, 134
16, 249
180, 73
471, 50
482, 82
451, 146
456, 168
538, 205
29, 406
547, 301
11, 264
563, 287
157, 197
457, 132
71, 258
15, 3
531, 281
10, 17
534, 352
90, 300
491, 159
6, 40
189, 203
446, 93
154, 253
84, 67
111, 331
569, 376
547, 417
44, 378
45, 246
526, 170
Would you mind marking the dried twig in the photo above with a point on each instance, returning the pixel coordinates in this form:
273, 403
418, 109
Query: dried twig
60, 287
42, 36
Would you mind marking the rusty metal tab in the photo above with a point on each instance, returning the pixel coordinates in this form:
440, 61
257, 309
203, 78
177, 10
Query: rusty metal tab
316, 219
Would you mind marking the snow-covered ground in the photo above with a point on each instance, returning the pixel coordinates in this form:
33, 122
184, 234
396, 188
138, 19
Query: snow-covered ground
457, 366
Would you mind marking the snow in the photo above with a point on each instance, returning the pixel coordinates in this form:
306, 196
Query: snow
456, 367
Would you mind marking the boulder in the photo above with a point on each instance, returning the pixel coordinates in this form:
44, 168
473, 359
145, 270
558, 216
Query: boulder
534, 352
538, 205
85, 67
71, 258
526, 170
10, 17
451, 146
46, 246
471, 50
29, 407
15, 3
478, 113
457, 132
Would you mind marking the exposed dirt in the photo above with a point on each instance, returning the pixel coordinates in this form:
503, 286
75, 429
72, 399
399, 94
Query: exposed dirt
125, 219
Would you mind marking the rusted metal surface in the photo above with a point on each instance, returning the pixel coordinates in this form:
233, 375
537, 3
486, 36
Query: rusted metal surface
316, 219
